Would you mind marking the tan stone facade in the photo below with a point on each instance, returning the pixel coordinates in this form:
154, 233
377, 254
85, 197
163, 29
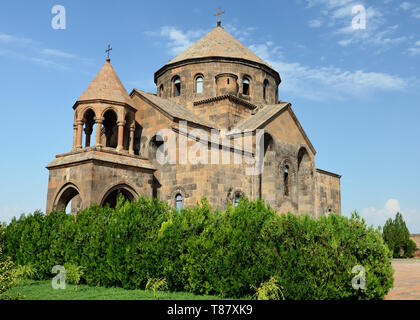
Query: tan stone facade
217, 111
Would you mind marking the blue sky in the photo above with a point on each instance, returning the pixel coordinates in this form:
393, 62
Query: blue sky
355, 92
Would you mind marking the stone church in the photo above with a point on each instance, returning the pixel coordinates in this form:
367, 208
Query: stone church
215, 86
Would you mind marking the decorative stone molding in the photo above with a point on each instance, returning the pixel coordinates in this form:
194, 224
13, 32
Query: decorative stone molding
177, 190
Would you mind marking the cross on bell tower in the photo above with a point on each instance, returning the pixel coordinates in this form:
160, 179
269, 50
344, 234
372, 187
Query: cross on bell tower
108, 51
218, 14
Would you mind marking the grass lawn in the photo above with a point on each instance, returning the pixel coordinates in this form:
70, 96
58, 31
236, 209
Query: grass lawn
42, 290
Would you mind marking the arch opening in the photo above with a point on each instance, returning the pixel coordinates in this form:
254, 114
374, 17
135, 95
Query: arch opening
109, 131
245, 86
69, 200
89, 126
177, 86
265, 88
286, 180
111, 197
179, 202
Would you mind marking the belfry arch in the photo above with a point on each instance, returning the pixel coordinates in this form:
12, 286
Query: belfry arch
68, 193
111, 196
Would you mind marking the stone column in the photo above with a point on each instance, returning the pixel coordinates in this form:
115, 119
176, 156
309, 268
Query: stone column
131, 143
88, 132
79, 134
98, 121
120, 145
74, 136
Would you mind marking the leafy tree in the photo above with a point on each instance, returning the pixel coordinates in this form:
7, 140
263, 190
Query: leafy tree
397, 237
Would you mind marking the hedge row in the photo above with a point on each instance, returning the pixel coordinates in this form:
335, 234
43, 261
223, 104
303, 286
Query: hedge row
207, 251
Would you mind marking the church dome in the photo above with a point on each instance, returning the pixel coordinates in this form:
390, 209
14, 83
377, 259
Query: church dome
196, 73
218, 43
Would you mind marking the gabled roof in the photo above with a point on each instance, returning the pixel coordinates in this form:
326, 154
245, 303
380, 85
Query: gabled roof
265, 115
172, 109
106, 86
218, 43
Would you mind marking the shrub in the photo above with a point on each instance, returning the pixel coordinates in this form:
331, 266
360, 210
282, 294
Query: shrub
397, 237
26, 272
410, 249
269, 290
227, 253
73, 273
7, 279
156, 285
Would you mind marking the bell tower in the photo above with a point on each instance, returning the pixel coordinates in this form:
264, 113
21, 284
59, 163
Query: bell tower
106, 104
104, 163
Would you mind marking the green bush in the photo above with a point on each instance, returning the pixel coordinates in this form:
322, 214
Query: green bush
7, 279
227, 253
73, 273
410, 249
397, 238
269, 290
27, 272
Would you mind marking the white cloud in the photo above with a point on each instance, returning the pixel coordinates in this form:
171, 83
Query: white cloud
11, 47
378, 217
15, 40
339, 15
316, 23
58, 53
414, 9
414, 50
320, 83
179, 40
406, 6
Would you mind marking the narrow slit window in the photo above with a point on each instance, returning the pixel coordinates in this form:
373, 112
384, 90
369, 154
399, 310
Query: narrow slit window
286, 180
245, 86
177, 87
178, 202
265, 87
236, 200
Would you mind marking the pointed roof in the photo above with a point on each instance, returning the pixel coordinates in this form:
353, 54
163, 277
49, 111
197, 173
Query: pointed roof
266, 114
106, 86
218, 43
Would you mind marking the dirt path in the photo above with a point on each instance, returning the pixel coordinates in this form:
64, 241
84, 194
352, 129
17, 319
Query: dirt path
406, 280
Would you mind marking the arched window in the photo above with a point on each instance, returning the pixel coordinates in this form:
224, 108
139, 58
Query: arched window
286, 180
199, 84
236, 200
245, 86
265, 86
177, 86
178, 202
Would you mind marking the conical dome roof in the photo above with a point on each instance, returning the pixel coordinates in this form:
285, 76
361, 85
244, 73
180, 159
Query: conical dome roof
106, 86
218, 43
